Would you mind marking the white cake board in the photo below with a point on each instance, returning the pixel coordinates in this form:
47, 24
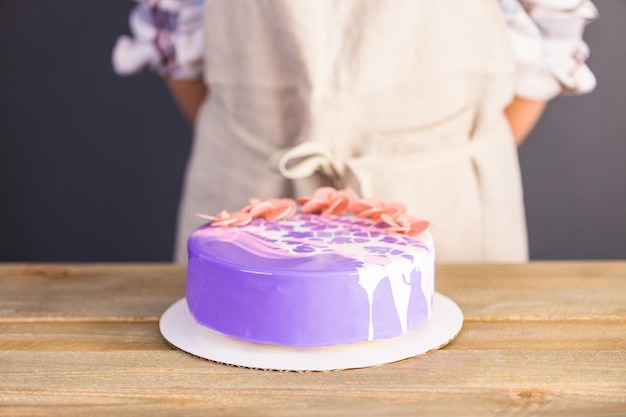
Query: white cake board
181, 330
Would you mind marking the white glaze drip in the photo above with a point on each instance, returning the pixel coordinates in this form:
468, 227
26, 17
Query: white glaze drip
401, 295
428, 285
400, 282
369, 278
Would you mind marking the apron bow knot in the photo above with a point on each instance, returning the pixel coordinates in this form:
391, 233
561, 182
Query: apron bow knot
307, 158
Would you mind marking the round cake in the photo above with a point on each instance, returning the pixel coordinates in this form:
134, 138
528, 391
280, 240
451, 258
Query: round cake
311, 279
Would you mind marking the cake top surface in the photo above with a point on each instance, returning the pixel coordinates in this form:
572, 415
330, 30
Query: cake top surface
332, 231
308, 242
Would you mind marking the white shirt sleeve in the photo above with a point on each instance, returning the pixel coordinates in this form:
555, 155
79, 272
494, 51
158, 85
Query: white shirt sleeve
547, 40
166, 38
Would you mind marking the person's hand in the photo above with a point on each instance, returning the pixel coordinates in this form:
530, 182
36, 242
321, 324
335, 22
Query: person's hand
188, 95
523, 114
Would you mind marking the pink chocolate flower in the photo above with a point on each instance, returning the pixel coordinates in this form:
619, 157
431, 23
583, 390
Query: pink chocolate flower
225, 218
374, 209
327, 201
393, 214
272, 210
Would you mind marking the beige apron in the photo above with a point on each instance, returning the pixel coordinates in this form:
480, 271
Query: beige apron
398, 99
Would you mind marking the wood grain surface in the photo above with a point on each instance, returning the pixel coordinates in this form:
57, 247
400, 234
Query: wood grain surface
546, 338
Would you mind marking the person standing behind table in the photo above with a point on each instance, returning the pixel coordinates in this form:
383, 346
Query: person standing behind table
415, 101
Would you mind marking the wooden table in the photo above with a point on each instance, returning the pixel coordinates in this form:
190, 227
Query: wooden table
538, 339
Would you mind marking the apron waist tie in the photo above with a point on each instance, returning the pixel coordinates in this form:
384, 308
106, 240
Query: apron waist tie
296, 162
307, 159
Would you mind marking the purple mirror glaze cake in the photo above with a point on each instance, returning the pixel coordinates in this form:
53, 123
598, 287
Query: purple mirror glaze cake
310, 280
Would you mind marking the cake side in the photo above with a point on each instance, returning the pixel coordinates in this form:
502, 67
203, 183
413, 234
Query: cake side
310, 280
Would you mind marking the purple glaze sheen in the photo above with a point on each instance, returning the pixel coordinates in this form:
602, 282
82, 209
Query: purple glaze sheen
384, 315
301, 299
306, 309
417, 315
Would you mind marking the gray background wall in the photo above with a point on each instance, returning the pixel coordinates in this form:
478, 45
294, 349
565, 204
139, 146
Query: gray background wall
91, 164
574, 163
